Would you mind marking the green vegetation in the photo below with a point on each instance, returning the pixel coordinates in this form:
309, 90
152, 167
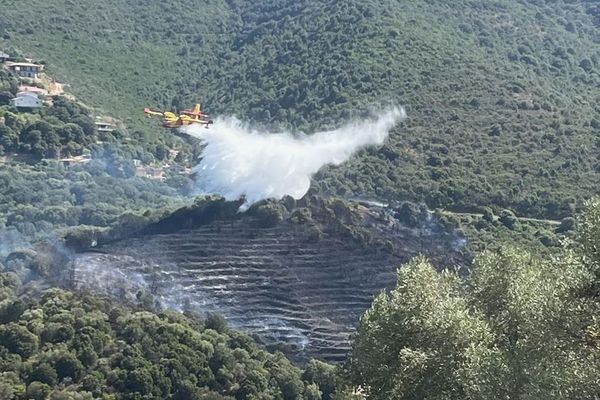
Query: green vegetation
500, 96
65, 128
40, 195
501, 101
77, 346
38, 200
519, 326
492, 232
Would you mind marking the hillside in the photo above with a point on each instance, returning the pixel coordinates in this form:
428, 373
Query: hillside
297, 276
116, 283
501, 96
65, 345
516, 318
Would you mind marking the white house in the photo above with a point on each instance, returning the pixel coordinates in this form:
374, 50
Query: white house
26, 100
4, 56
104, 126
25, 69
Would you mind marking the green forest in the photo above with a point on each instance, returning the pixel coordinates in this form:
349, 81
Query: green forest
73, 346
518, 326
501, 97
501, 140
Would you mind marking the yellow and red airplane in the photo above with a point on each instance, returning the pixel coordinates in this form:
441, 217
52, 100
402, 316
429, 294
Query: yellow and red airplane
187, 117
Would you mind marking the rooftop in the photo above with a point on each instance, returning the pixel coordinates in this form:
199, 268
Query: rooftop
26, 93
23, 64
83, 159
104, 126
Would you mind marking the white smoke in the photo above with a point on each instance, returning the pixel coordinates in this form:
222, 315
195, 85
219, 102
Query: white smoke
239, 161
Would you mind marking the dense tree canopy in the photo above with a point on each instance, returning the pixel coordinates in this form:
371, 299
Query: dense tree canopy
68, 345
501, 96
517, 327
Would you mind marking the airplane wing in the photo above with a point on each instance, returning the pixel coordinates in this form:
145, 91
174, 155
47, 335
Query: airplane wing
201, 115
201, 121
152, 112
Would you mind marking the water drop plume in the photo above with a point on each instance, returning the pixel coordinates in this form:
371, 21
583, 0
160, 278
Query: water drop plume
241, 161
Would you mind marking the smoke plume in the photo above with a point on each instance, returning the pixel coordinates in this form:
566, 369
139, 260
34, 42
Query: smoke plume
239, 161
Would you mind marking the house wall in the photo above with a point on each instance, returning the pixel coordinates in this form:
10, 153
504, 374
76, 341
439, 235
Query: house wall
26, 71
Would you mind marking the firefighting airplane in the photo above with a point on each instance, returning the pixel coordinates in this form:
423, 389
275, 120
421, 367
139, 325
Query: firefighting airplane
186, 117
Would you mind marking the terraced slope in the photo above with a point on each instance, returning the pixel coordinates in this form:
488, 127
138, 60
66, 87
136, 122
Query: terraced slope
294, 289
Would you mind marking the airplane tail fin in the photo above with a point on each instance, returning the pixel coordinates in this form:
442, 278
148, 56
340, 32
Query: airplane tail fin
197, 110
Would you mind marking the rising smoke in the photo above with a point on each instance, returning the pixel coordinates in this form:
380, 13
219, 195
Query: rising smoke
239, 161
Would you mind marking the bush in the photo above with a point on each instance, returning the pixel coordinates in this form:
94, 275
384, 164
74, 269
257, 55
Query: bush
508, 219
408, 214
566, 225
38, 391
269, 214
44, 373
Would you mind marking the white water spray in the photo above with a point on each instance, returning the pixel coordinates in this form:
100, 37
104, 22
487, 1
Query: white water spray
238, 161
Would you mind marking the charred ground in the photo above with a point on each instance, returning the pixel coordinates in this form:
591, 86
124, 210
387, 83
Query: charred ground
298, 275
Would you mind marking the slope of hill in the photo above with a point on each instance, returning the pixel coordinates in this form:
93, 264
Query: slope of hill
299, 279
58, 170
501, 96
64, 345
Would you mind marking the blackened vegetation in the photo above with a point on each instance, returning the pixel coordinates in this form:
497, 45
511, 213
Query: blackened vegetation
296, 273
